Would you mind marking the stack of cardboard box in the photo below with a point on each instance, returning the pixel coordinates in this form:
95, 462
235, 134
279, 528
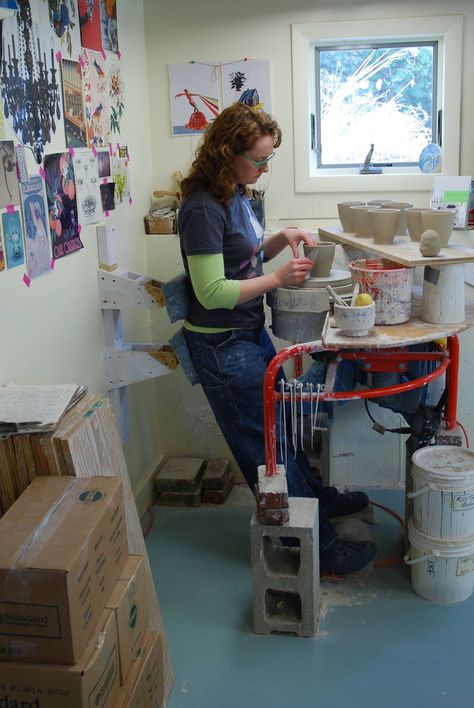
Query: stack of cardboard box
73, 605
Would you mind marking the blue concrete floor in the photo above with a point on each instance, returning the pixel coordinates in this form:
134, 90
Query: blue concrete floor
379, 645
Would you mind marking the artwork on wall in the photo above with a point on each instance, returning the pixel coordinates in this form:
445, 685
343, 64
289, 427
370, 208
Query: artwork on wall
194, 99
13, 237
63, 19
108, 18
89, 203
104, 163
107, 193
62, 204
89, 20
247, 81
73, 100
37, 242
9, 190
2, 255
120, 175
96, 96
116, 96
30, 81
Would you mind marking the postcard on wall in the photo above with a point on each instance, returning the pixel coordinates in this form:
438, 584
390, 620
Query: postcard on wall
107, 194
104, 163
116, 95
60, 18
62, 205
13, 237
453, 193
73, 101
194, 91
89, 205
121, 176
96, 97
9, 189
89, 20
247, 81
108, 18
37, 242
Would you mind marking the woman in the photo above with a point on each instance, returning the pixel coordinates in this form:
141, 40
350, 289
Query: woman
223, 249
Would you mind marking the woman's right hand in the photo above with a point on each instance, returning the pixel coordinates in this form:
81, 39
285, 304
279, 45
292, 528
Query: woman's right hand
294, 272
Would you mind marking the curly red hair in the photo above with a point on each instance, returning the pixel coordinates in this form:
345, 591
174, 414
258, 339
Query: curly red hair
232, 133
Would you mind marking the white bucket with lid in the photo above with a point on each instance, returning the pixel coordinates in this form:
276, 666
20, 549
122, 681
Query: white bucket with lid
441, 571
443, 491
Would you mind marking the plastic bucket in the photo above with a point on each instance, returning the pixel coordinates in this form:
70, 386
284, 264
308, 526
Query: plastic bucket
390, 286
443, 491
441, 571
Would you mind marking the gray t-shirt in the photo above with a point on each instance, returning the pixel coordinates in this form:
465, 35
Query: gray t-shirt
207, 227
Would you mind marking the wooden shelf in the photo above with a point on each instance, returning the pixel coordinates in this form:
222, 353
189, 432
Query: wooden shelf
412, 332
403, 250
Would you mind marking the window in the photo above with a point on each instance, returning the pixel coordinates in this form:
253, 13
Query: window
375, 82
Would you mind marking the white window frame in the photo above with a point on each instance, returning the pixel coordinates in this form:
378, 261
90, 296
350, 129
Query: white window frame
447, 30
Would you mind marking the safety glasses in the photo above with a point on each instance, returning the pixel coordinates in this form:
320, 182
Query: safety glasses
260, 163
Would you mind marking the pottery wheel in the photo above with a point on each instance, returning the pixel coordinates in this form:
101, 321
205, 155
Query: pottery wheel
336, 278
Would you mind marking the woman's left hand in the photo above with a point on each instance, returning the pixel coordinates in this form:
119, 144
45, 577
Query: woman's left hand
295, 236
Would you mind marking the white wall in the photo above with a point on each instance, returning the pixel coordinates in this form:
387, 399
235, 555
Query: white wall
52, 332
211, 32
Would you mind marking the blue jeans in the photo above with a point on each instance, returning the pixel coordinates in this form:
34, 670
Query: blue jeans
231, 366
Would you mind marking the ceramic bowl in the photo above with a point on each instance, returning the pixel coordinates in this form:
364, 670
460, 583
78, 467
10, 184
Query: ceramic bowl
440, 220
354, 321
345, 215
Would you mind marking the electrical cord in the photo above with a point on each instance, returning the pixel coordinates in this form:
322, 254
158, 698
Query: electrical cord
379, 428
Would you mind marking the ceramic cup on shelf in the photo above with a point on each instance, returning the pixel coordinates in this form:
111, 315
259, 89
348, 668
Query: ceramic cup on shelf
414, 223
384, 224
322, 253
441, 221
402, 222
360, 220
345, 215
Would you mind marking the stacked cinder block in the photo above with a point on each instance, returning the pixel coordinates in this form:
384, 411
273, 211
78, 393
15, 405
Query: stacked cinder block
189, 481
272, 496
285, 570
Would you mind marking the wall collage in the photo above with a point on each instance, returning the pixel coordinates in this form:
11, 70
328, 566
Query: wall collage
62, 98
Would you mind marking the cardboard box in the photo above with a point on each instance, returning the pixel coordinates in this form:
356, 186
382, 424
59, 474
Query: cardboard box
129, 603
64, 545
144, 686
91, 683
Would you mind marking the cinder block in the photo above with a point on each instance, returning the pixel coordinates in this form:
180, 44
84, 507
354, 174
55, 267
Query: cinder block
218, 496
179, 474
216, 474
285, 571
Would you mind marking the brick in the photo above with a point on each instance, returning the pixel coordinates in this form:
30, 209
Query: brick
216, 474
180, 474
181, 498
274, 517
218, 496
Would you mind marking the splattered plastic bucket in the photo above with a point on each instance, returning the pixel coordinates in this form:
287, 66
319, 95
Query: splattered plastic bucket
443, 491
441, 571
390, 286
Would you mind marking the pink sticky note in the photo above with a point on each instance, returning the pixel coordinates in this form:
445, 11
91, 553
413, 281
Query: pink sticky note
81, 61
10, 208
104, 55
42, 172
52, 264
79, 229
71, 151
107, 212
130, 201
119, 54
26, 280
104, 180
94, 151
59, 56
111, 150
118, 146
